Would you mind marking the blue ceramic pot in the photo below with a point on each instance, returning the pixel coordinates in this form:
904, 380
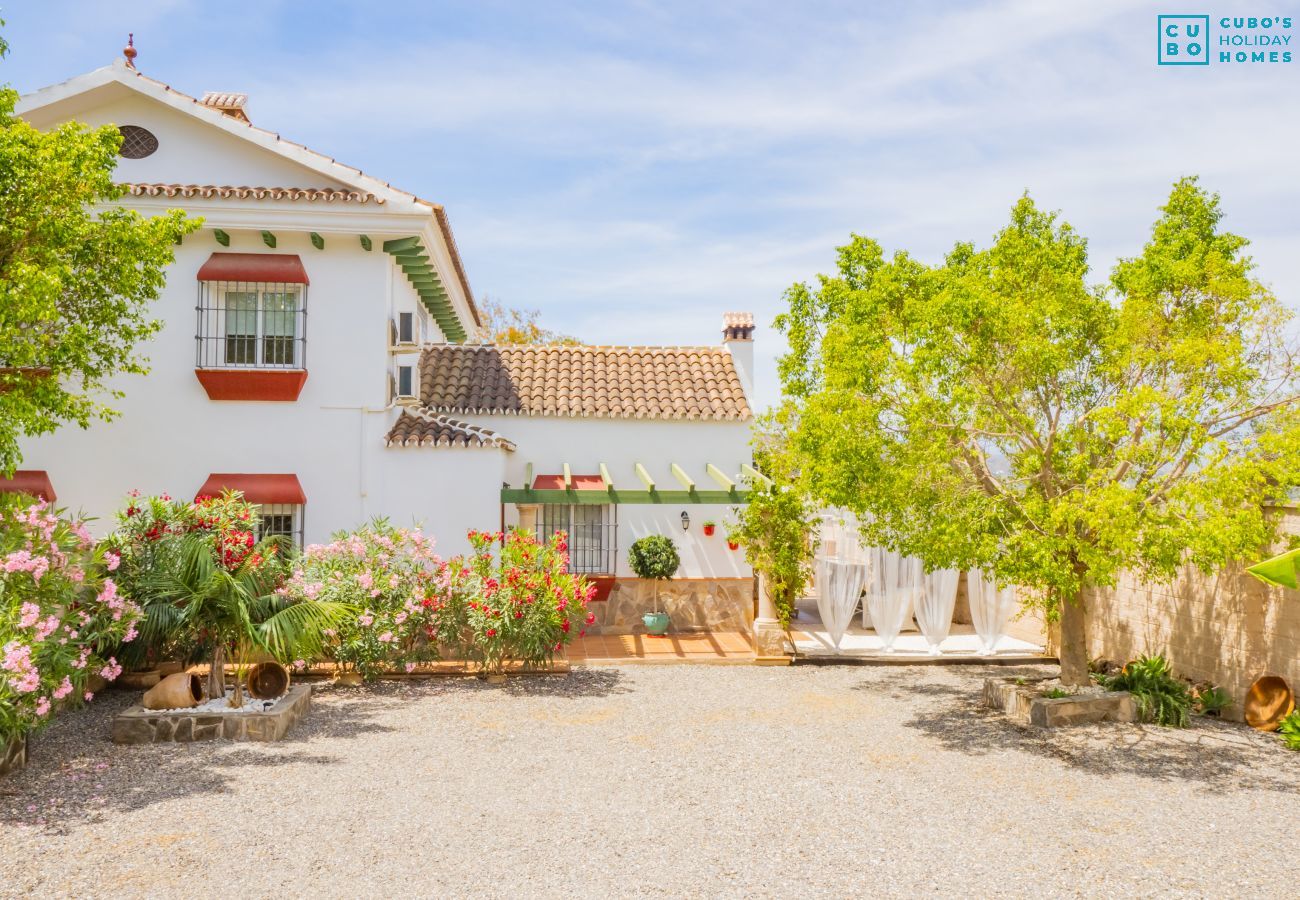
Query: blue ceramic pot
656, 622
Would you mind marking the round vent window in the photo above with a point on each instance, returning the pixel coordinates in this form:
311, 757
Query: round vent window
137, 142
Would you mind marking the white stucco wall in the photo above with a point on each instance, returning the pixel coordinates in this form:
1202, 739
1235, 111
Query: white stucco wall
170, 436
191, 151
549, 442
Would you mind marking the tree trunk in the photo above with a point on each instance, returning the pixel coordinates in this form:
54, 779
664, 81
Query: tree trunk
1074, 642
217, 675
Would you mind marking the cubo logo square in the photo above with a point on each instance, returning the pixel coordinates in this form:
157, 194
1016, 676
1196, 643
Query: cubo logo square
1183, 40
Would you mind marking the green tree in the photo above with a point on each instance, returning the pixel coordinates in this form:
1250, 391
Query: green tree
995, 411
778, 526
505, 325
76, 279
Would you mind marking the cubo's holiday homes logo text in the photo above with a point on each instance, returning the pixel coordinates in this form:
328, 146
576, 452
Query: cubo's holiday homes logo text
1198, 40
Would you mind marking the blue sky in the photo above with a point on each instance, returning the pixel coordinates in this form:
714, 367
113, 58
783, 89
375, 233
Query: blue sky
635, 169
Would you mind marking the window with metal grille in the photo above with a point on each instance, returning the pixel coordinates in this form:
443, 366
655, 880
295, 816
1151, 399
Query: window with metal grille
284, 519
593, 532
137, 142
406, 328
251, 325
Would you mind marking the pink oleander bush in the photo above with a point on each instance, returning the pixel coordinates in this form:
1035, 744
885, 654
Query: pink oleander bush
61, 614
513, 600
394, 583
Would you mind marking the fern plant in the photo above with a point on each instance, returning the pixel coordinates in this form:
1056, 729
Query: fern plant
1160, 696
1289, 730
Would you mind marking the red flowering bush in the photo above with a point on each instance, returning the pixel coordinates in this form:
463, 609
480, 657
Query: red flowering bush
150, 545
394, 585
518, 604
61, 615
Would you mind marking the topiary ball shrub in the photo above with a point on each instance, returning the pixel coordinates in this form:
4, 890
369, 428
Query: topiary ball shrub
654, 556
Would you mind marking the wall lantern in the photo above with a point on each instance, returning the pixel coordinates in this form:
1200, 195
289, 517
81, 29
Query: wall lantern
686, 521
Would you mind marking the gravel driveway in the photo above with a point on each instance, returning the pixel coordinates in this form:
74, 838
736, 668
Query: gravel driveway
676, 780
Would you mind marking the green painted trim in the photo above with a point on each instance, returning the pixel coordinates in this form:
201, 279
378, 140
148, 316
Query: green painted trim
268, 239
398, 244
317, 241
222, 238
600, 498
366, 243
413, 260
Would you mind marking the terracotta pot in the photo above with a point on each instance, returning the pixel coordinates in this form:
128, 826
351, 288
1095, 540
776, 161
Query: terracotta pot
267, 681
1269, 701
141, 680
709, 529
732, 545
179, 691
348, 679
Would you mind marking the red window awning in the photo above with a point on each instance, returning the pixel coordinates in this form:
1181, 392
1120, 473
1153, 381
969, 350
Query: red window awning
29, 481
255, 488
261, 267
579, 482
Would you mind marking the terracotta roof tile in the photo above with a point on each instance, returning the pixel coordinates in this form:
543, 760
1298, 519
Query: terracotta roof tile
421, 429
244, 192
571, 380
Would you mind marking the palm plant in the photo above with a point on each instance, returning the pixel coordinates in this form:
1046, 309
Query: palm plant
1160, 696
232, 606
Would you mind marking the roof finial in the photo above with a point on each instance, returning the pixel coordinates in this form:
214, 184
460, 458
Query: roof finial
129, 50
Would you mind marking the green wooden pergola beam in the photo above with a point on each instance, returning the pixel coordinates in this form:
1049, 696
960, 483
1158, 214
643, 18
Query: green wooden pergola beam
366, 243
605, 476
682, 478
754, 474
528, 477
644, 476
222, 238
720, 477
568, 477
317, 241
268, 239
601, 498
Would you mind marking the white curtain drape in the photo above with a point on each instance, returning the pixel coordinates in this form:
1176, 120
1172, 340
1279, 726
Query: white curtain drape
991, 608
839, 588
935, 605
893, 594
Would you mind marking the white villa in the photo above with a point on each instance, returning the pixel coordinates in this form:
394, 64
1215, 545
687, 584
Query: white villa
320, 352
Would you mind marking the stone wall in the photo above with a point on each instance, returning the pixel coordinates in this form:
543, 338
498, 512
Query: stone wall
694, 604
1228, 628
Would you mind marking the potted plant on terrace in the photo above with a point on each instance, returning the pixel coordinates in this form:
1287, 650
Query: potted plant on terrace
655, 558
709, 527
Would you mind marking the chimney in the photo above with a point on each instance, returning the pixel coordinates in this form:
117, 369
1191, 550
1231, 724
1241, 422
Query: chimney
738, 338
230, 104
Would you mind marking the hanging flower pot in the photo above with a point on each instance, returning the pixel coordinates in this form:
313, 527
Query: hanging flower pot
732, 545
709, 528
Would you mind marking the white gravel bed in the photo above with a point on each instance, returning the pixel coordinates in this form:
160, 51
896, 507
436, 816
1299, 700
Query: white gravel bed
222, 705
657, 780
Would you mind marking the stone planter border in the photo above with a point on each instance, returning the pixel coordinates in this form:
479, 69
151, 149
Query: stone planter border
1022, 703
138, 725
